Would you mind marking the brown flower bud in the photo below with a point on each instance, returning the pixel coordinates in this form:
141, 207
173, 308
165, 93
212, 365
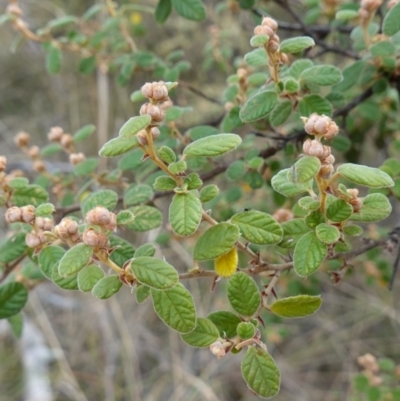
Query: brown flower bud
3, 163
76, 158
66, 140
165, 105
363, 13
368, 362
313, 148
142, 137
160, 91
328, 160
22, 139
98, 216
44, 223
282, 215
147, 90
33, 151
321, 126
273, 46
357, 204
33, 240
263, 30
284, 58
14, 9
218, 349
228, 106
92, 238
28, 213
66, 229
241, 73
13, 215
112, 225
155, 112
155, 132
326, 170
39, 166
332, 131
55, 134
270, 22
327, 152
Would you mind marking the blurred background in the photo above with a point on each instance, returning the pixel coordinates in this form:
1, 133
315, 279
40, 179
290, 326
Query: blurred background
75, 347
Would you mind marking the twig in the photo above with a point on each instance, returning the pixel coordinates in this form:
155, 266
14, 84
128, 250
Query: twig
198, 92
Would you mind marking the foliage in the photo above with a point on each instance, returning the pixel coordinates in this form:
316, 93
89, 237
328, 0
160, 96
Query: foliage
69, 226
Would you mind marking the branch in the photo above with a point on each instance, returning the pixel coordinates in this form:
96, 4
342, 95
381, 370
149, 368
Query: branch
353, 103
198, 92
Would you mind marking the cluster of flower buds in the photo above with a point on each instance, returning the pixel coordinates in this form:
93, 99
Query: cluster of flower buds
142, 135
371, 369
323, 152
367, 10
282, 215
76, 158
67, 230
57, 134
220, 349
320, 126
100, 216
269, 27
35, 239
156, 92
352, 198
24, 214
22, 140
95, 239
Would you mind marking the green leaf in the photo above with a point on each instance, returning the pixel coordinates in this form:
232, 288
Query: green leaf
213, 145
145, 250
261, 373
62, 21
50, 149
86, 167
346, 15
256, 58
295, 45
88, 277
293, 230
87, 65
48, 258
298, 306
53, 59
258, 106
258, 227
123, 252
190, 9
18, 182
13, 248
118, 146
167, 154
66, 283
321, 75
291, 86
327, 234
185, 213
105, 198
243, 294
299, 66
353, 230
175, 307
375, 207
29, 195
137, 193
339, 210
309, 254
280, 113
246, 330
216, 241
259, 40
305, 169
193, 181
134, 125
164, 183
45, 209
154, 273
202, 131
75, 259
391, 22
17, 324
125, 217
236, 170
84, 132
107, 287
309, 203
178, 167
13, 297
146, 218
383, 49
282, 184
163, 10
226, 322
142, 293
314, 104
314, 218
254, 179
208, 193
203, 335
367, 176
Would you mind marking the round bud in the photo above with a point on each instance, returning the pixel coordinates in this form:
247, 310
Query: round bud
28, 213
33, 240
353, 192
326, 170
263, 30
309, 123
155, 132
3, 163
33, 151
142, 137
67, 229
313, 148
76, 158
147, 90
13, 215
22, 139
39, 166
112, 225
270, 22
155, 112
55, 134
228, 106
66, 140
98, 216
218, 349
321, 124
282, 215
241, 73
160, 91
329, 160
165, 105
44, 223
327, 152
331, 131
284, 59
273, 46
357, 204
92, 238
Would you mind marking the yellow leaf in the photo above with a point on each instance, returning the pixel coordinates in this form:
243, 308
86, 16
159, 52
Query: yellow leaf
225, 265
136, 18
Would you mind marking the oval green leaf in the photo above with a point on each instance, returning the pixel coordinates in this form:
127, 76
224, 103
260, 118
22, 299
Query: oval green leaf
146, 218
107, 287
367, 176
13, 297
74, 260
375, 207
339, 210
214, 145
118, 146
321, 75
134, 125
243, 294
226, 322
293, 230
88, 277
282, 183
295, 45
305, 169
105, 198
391, 22
327, 234
258, 106
203, 335
297, 306
48, 258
